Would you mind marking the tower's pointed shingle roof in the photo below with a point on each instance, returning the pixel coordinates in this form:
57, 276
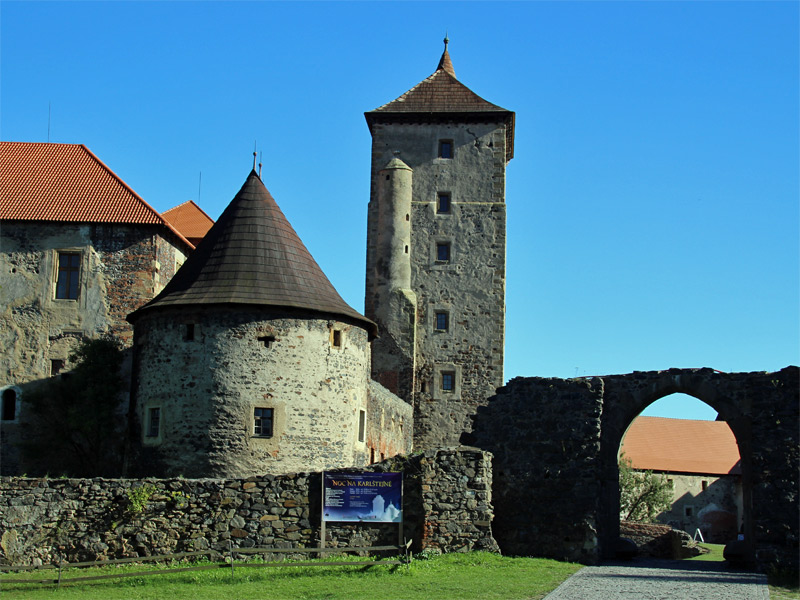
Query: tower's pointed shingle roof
253, 256
442, 97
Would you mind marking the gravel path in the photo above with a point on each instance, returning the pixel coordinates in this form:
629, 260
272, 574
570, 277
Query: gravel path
651, 579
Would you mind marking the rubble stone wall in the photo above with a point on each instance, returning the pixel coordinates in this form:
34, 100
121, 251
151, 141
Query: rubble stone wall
447, 507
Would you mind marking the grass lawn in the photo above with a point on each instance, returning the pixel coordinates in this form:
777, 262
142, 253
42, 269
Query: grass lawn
450, 576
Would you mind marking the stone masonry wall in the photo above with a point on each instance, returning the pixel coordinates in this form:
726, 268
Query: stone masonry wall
469, 286
206, 389
121, 268
447, 506
556, 446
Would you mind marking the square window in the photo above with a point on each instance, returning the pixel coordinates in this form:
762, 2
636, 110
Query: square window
362, 427
443, 203
153, 421
448, 381
442, 321
262, 422
69, 268
443, 252
445, 148
688, 511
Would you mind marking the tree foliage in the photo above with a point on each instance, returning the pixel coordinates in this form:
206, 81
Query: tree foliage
74, 425
643, 495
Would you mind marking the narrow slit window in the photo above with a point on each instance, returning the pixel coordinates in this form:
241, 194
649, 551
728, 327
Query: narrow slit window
69, 269
153, 421
262, 422
445, 148
362, 425
443, 203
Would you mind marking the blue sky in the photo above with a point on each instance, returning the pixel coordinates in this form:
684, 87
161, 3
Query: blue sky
653, 197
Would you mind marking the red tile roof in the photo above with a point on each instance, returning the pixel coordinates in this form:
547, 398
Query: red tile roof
252, 256
190, 220
67, 183
681, 446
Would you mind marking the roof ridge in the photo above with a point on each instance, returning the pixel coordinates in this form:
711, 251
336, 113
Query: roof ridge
164, 222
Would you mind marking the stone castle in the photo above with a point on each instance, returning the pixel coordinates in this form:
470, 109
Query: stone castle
246, 361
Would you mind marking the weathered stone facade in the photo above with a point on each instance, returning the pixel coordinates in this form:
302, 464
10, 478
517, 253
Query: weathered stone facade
447, 319
447, 506
556, 443
710, 503
206, 389
120, 268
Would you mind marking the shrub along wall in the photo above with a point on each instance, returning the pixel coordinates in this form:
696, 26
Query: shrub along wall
447, 506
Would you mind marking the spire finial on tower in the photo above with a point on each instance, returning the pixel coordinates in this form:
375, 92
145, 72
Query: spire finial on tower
445, 64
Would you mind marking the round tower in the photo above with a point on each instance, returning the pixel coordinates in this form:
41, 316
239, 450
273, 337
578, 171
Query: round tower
249, 361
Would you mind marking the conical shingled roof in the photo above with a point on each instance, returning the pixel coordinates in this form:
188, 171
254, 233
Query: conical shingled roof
253, 256
442, 97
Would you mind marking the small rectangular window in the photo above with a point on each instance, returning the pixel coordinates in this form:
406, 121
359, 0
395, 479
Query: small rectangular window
69, 268
704, 485
262, 422
189, 332
445, 148
442, 321
443, 252
448, 381
362, 425
9, 408
153, 421
56, 365
443, 203
336, 338
688, 511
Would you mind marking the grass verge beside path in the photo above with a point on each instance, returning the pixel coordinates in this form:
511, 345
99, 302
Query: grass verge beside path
448, 577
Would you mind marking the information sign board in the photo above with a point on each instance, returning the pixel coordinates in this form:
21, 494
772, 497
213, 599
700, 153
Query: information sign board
368, 497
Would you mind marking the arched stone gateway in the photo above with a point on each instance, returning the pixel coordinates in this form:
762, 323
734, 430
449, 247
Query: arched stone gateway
556, 442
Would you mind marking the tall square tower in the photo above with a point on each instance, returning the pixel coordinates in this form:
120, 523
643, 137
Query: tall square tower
436, 245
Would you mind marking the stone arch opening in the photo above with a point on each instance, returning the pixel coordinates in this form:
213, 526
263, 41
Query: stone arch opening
681, 440
626, 397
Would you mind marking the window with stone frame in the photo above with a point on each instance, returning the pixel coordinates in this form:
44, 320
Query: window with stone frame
68, 279
263, 420
153, 421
